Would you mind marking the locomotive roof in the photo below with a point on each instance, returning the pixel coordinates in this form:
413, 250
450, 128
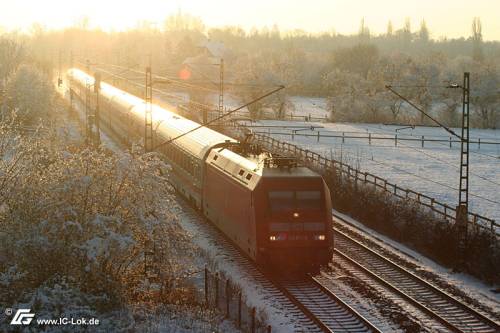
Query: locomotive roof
301, 172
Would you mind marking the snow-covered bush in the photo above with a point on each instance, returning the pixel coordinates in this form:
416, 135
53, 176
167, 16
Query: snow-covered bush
12, 53
30, 92
409, 223
75, 221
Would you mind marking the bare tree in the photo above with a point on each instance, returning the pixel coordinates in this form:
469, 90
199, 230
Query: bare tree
364, 32
423, 34
390, 29
477, 39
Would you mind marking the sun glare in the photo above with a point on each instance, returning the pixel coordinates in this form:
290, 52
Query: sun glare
444, 18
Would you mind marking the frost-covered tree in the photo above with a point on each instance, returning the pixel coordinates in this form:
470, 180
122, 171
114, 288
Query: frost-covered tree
74, 224
423, 34
359, 59
485, 97
30, 93
390, 29
477, 39
12, 54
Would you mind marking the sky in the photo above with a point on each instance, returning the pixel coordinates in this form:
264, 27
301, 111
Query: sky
450, 18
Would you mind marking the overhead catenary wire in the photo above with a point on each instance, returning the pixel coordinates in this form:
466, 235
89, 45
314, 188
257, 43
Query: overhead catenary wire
433, 181
157, 90
164, 79
447, 163
449, 130
220, 117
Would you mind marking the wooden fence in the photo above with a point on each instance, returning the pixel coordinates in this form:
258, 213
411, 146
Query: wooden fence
321, 163
223, 295
374, 137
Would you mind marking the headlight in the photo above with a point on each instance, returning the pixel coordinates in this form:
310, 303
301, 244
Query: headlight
280, 237
319, 237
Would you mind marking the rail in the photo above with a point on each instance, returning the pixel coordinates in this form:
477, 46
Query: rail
317, 161
447, 309
328, 311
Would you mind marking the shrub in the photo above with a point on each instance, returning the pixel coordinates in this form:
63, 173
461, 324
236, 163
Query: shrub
74, 222
30, 93
421, 229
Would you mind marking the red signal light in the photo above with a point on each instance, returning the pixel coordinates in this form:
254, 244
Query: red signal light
184, 73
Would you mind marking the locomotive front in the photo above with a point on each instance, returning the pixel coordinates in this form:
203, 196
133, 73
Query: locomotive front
296, 229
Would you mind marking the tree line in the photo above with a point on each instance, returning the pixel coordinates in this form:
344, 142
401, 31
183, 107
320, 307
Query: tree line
351, 71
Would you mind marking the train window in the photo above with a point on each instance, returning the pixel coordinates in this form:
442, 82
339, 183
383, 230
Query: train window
314, 226
249, 176
289, 200
281, 200
242, 172
216, 157
308, 199
279, 226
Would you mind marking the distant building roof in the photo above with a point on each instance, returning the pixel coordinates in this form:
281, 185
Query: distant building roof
215, 49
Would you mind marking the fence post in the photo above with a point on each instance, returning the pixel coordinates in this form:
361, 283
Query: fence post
253, 320
450, 141
479, 144
293, 135
343, 137
422, 141
217, 289
239, 310
369, 138
395, 140
227, 298
206, 286
318, 136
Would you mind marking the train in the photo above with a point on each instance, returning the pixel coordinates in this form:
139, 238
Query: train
276, 212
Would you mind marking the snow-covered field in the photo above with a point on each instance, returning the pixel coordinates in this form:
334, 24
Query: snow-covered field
432, 169
315, 107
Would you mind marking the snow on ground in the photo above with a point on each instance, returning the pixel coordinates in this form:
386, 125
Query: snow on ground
315, 107
255, 293
166, 319
471, 286
432, 170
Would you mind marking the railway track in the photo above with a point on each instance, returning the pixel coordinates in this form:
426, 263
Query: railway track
229, 253
315, 307
329, 312
450, 312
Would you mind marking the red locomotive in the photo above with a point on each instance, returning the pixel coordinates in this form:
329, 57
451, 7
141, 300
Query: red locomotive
278, 214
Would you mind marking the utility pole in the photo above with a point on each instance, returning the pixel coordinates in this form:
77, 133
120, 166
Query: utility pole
462, 209
97, 89
148, 115
88, 116
92, 130
70, 86
463, 196
221, 87
59, 79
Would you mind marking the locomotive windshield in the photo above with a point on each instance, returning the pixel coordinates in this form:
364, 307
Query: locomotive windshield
280, 201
